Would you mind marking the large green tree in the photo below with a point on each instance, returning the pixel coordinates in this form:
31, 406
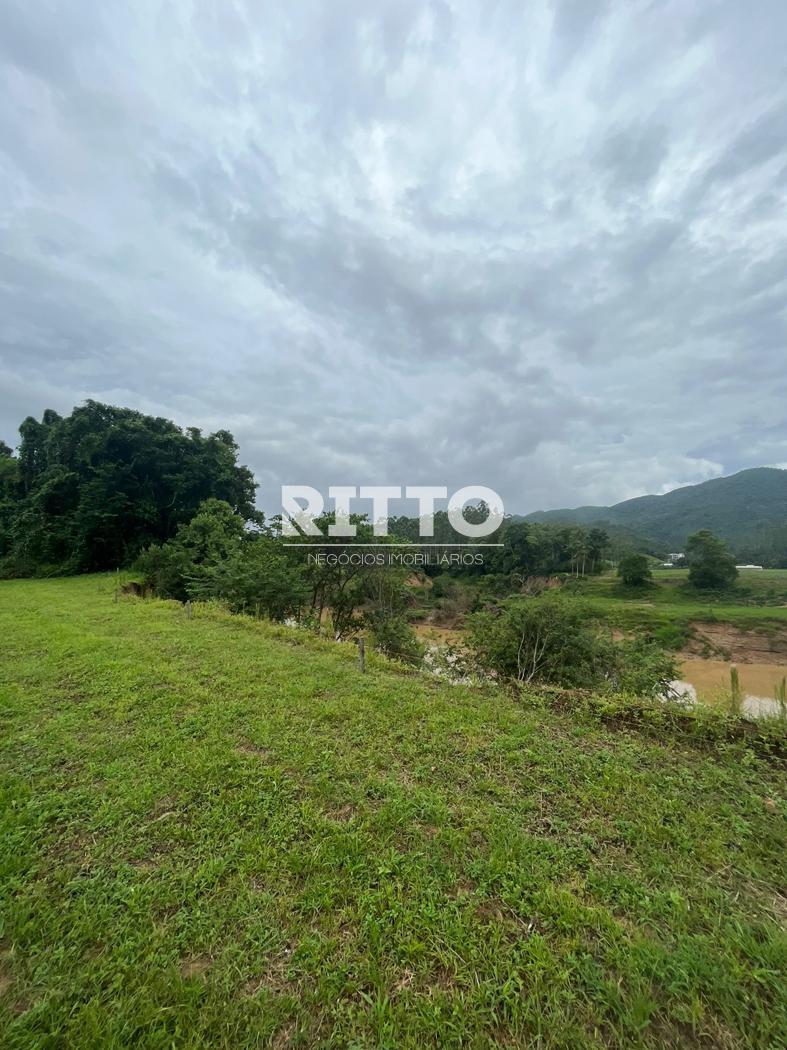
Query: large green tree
93, 489
9, 487
711, 566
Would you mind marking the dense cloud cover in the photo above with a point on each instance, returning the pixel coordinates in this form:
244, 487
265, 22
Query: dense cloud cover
535, 246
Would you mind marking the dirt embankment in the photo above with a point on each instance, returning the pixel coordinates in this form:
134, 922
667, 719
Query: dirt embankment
743, 647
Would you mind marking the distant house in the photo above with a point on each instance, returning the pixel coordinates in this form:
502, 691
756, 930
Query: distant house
672, 561
756, 568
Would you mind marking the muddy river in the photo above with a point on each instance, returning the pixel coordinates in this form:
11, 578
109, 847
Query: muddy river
710, 682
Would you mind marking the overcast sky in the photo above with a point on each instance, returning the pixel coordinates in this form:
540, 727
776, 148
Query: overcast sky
534, 246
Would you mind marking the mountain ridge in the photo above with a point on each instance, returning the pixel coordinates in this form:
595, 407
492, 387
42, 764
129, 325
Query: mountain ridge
733, 507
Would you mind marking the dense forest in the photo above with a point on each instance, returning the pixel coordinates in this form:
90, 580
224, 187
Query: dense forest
93, 489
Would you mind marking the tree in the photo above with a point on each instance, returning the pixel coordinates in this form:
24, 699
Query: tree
95, 488
711, 566
578, 548
178, 569
634, 570
598, 542
9, 484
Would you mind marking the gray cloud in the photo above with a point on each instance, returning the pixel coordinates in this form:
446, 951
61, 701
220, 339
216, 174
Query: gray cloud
634, 155
538, 248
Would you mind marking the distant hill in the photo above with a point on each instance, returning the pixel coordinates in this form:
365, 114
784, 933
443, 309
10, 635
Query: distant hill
733, 507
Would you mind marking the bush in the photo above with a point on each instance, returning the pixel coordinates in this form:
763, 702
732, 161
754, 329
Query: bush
174, 569
393, 635
642, 668
634, 570
547, 639
214, 557
672, 635
257, 578
163, 570
554, 639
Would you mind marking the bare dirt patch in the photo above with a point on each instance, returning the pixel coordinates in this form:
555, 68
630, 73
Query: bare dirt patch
443, 635
463, 888
284, 1036
164, 807
135, 590
194, 966
743, 647
344, 814
144, 864
442, 982
247, 748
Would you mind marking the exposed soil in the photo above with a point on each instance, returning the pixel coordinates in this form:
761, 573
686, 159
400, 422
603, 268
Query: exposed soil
430, 632
724, 641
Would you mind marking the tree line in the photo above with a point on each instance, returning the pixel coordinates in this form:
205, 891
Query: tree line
107, 487
90, 491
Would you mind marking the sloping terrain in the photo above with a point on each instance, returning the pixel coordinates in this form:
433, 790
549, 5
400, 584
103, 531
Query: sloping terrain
732, 507
216, 832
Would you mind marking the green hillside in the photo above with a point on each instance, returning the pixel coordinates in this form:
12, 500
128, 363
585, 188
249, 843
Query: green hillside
217, 832
734, 508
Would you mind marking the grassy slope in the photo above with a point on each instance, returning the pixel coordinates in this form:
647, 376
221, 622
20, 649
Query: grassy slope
216, 832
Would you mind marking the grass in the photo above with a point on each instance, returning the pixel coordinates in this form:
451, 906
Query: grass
669, 604
216, 832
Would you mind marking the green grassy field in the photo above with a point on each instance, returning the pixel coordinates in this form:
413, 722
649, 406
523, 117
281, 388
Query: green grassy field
758, 602
216, 832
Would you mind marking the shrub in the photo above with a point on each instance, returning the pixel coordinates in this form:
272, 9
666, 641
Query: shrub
546, 639
163, 570
672, 635
393, 635
642, 668
213, 557
554, 639
634, 570
256, 578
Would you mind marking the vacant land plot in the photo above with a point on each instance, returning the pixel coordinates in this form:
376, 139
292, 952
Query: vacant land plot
218, 833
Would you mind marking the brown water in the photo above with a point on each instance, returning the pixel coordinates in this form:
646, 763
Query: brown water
713, 676
758, 683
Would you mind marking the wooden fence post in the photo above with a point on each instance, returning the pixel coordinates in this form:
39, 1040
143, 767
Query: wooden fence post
735, 689
361, 654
